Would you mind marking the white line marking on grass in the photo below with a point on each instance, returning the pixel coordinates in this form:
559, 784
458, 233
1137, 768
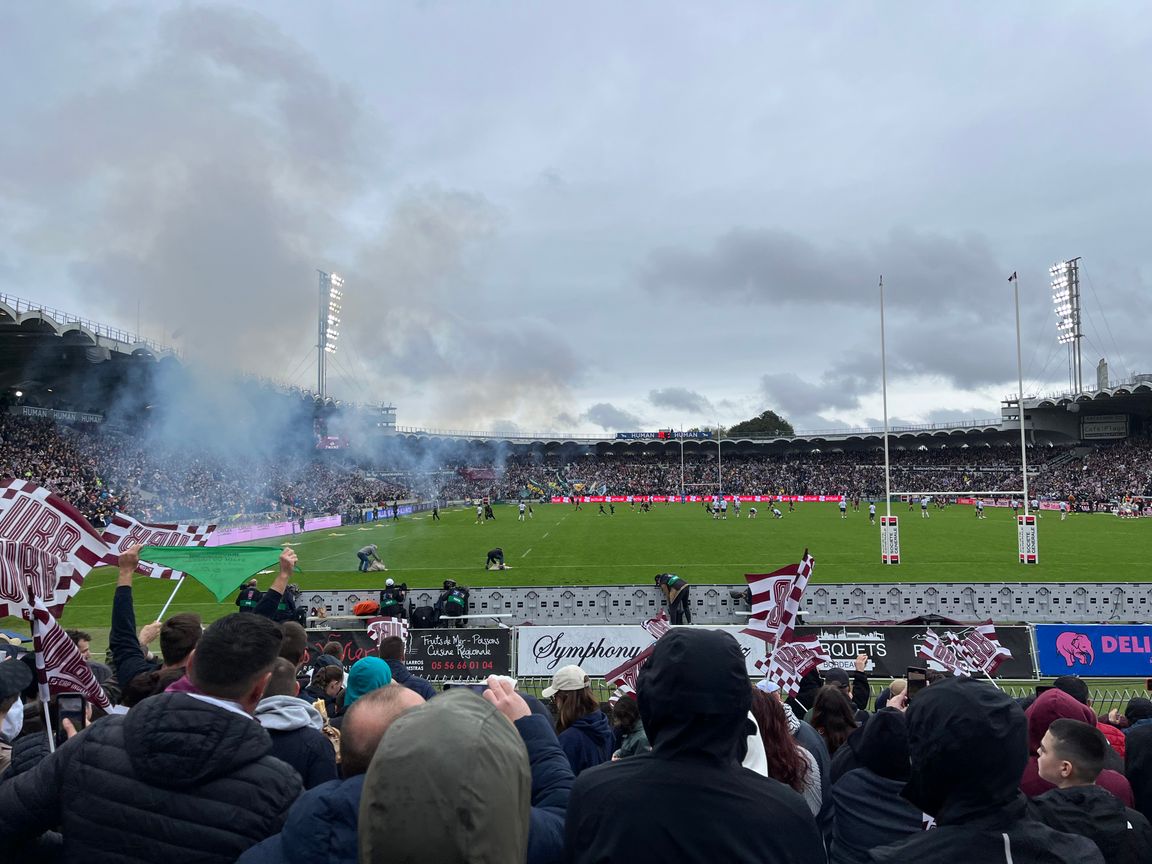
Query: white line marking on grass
546, 533
525, 555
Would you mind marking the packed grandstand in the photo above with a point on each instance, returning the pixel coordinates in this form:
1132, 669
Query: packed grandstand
104, 471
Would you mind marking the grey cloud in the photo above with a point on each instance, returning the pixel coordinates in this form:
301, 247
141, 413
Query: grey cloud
927, 272
608, 416
790, 395
680, 399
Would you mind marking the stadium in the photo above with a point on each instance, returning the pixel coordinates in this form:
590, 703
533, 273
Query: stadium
260, 600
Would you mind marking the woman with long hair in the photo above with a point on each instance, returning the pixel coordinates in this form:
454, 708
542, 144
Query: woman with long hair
833, 716
787, 761
581, 726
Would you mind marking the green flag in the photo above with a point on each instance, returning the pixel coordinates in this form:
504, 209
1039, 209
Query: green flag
220, 569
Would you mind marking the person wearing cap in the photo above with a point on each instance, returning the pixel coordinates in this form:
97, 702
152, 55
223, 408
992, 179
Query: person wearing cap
585, 734
14, 677
967, 746
249, 597
690, 800
392, 600
451, 783
854, 686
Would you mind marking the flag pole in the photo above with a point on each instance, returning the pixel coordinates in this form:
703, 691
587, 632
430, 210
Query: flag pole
172, 597
1015, 280
39, 689
884, 390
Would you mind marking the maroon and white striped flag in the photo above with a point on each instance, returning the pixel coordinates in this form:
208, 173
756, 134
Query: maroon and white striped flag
791, 661
380, 629
657, 627
625, 685
32, 515
27, 571
59, 666
981, 650
123, 532
942, 652
776, 600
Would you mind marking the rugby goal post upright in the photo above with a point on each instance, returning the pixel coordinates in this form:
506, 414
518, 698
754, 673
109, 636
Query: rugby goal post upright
889, 524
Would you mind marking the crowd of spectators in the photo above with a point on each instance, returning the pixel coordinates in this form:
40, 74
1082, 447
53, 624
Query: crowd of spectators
101, 471
236, 745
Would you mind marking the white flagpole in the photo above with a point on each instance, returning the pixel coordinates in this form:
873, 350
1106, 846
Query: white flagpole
1020, 393
179, 582
681, 462
39, 693
48, 727
884, 390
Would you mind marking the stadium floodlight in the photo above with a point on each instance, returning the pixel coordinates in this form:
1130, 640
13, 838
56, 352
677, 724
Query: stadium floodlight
328, 328
1066, 303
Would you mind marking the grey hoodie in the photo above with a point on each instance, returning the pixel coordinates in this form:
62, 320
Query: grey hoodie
285, 713
450, 783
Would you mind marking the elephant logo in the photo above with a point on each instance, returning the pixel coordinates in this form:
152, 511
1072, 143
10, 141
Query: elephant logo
1075, 648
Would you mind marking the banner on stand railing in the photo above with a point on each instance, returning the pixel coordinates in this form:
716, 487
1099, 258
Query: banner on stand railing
1112, 650
890, 649
443, 652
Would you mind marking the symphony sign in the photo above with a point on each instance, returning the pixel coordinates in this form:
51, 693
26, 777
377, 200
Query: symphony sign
890, 649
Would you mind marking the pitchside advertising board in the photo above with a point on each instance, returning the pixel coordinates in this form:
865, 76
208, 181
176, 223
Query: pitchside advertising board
693, 499
1110, 650
442, 653
890, 650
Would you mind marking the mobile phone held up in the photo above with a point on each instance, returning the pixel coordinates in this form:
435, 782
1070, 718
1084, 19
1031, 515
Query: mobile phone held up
69, 706
917, 677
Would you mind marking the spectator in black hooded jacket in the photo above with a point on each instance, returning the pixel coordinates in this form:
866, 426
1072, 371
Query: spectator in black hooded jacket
690, 800
968, 744
183, 777
868, 810
1071, 757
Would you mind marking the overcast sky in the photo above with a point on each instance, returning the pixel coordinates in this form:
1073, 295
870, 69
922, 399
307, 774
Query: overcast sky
590, 216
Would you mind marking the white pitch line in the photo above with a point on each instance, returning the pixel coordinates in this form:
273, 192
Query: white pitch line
525, 555
546, 533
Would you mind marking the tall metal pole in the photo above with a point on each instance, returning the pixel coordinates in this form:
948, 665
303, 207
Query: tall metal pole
884, 390
682, 462
1020, 393
719, 469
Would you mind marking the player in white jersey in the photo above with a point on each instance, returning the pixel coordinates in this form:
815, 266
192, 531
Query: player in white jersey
776, 512
751, 512
924, 514
723, 508
872, 514
1036, 507
1063, 510
979, 508
523, 508
843, 506
480, 514
735, 506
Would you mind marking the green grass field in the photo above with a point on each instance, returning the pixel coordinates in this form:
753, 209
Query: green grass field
560, 546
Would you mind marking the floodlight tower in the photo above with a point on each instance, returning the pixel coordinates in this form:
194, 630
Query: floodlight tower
1066, 299
328, 326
